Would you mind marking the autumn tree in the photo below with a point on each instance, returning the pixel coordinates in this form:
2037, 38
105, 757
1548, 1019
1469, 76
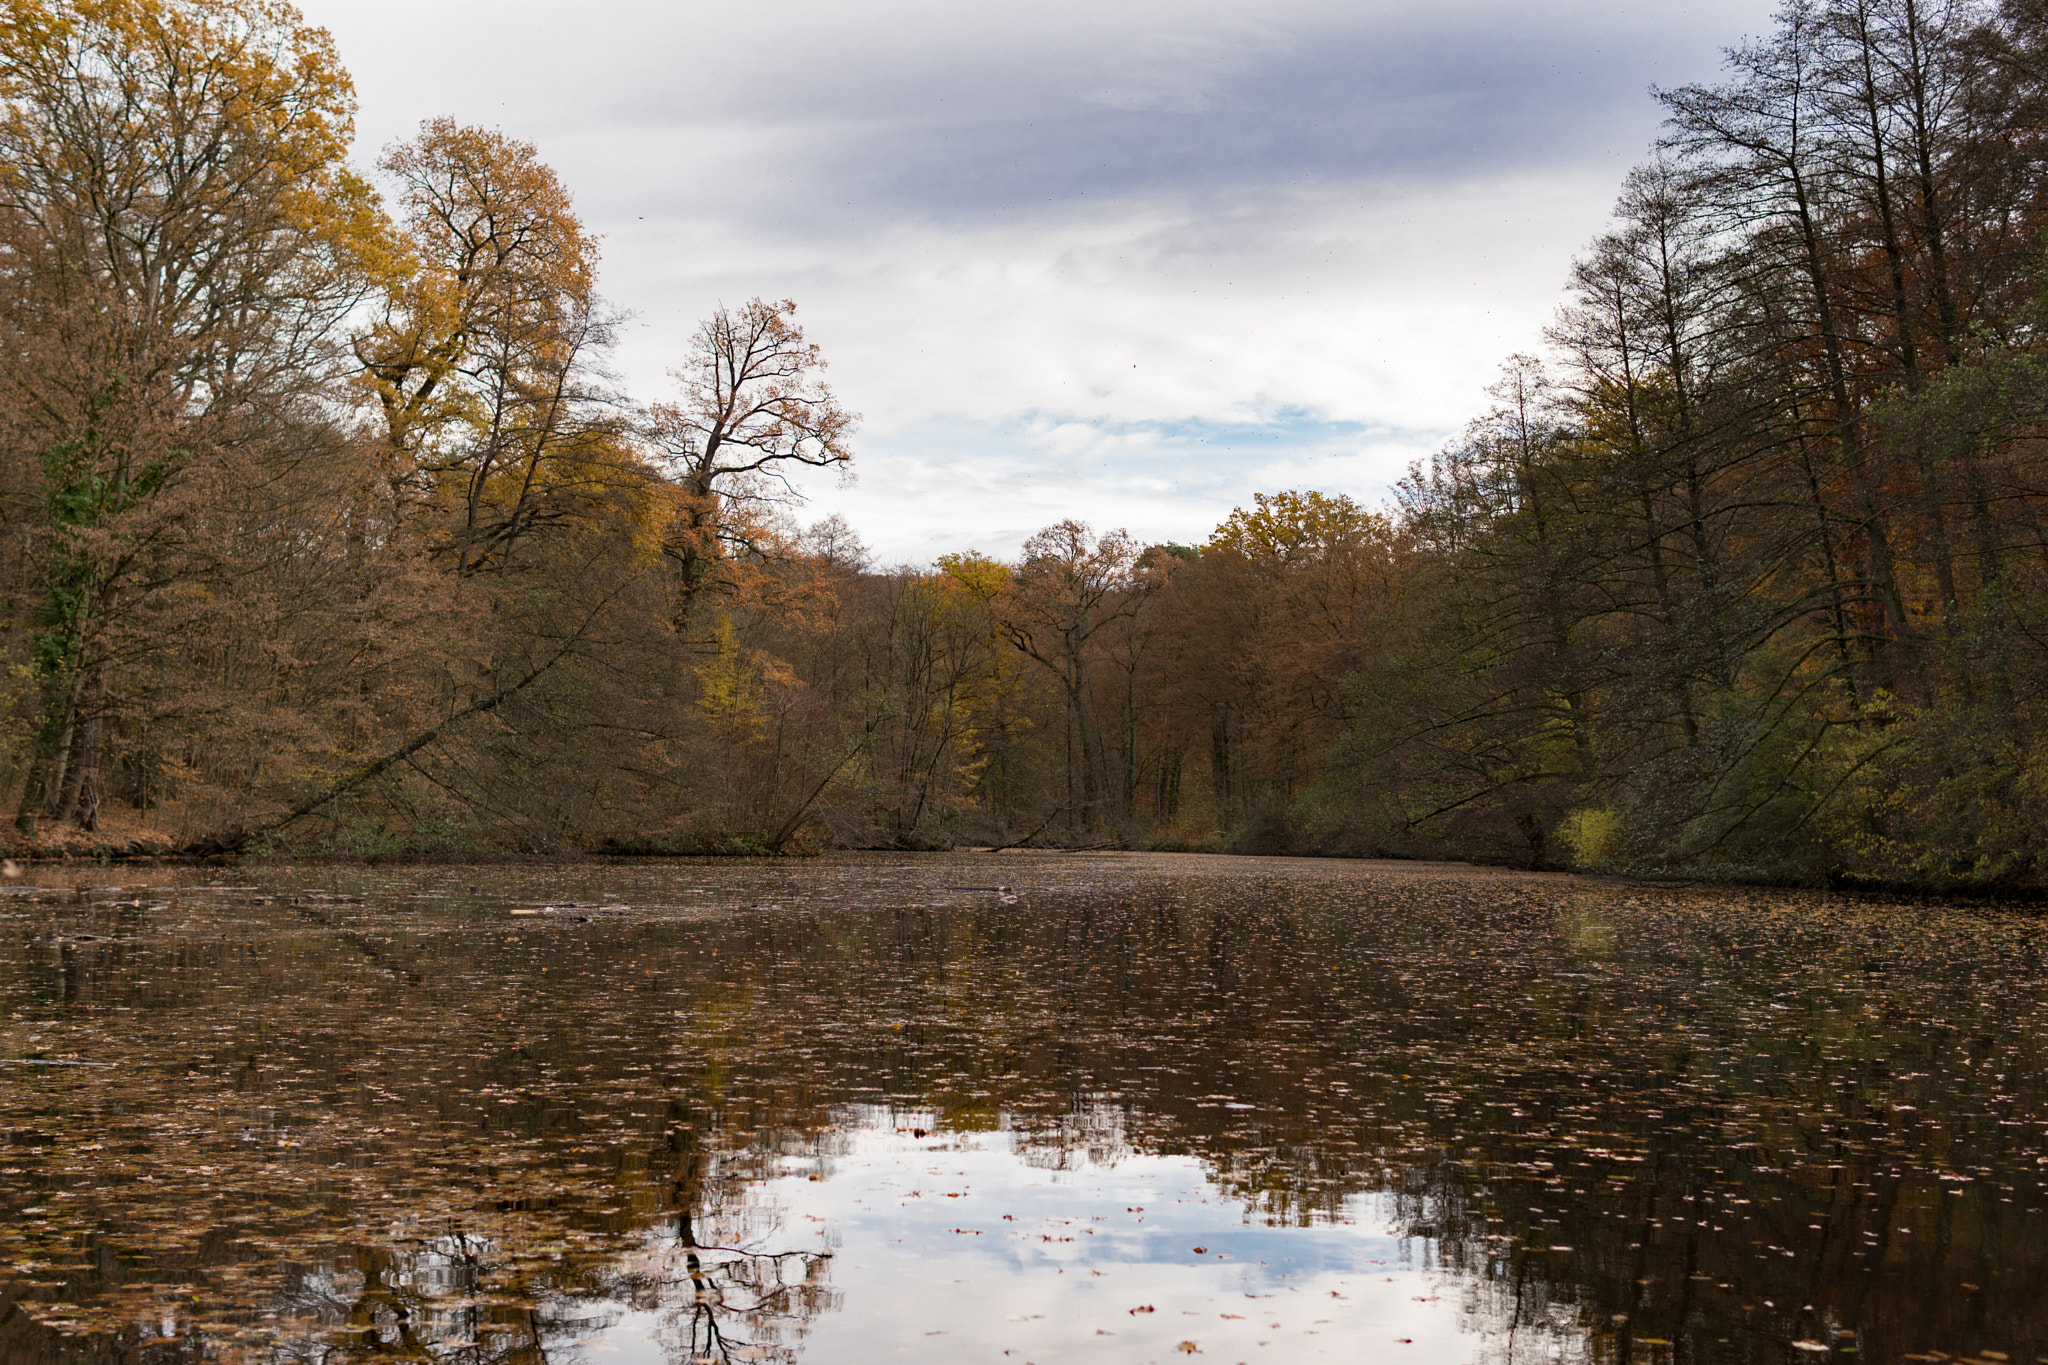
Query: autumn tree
1758, 142
1315, 568
1747, 593
485, 359
181, 243
1069, 585
753, 408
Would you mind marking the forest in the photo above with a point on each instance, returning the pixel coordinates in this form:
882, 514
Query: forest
325, 527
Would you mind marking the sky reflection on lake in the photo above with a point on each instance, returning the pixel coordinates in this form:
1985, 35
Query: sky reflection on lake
1093, 1259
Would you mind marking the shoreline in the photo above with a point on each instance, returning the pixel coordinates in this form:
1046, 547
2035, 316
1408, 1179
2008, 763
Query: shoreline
148, 852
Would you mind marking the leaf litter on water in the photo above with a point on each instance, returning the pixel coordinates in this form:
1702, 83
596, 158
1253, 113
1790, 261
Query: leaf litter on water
359, 1116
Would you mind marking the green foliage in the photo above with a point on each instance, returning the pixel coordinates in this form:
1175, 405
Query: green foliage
1592, 836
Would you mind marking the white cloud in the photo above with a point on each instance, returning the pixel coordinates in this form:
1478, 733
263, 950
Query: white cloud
1059, 363
1123, 259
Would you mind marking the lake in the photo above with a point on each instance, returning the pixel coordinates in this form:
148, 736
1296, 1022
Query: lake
1020, 1107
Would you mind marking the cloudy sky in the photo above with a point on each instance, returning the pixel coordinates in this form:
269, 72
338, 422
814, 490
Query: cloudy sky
1124, 260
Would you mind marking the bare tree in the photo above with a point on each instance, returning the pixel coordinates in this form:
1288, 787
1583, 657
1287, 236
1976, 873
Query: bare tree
753, 409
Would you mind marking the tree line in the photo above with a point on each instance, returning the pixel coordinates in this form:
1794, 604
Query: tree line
1746, 575
326, 527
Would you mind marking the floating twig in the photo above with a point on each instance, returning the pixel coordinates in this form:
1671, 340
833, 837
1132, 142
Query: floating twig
762, 1255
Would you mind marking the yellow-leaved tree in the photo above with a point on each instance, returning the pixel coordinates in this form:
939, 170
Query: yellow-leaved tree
483, 357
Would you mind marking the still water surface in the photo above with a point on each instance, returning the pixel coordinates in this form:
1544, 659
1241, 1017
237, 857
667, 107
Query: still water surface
1011, 1108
